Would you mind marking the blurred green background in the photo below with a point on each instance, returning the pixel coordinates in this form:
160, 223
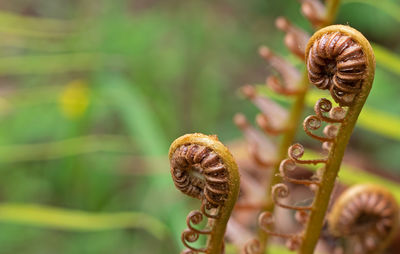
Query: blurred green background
93, 92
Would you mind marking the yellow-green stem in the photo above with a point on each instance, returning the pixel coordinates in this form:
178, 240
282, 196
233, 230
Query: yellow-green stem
297, 108
322, 197
216, 239
215, 243
332, 167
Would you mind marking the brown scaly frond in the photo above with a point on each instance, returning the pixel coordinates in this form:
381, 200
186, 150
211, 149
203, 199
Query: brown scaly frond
366, 217
341, 60
290, 82
203, 168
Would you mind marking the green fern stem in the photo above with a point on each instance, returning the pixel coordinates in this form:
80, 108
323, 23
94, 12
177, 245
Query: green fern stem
323, 194
203, 168
294, 119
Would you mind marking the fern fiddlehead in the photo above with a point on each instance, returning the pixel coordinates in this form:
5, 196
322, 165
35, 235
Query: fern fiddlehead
341, 60
366, 217
203, 168
275, 120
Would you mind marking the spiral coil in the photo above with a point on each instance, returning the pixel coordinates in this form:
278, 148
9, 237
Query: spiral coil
366, 216
199, 172
332, 117
203, 168
337, 63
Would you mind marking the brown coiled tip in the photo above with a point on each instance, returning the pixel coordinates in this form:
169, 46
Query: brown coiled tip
203, 168
249, 91
280, 190
367, 211
252, 247
262, 121
307, 9
293, 243
314, 11
265, 52
336, 61
265, 219
291, 41
273, 80
282, 23
241, 121
301, 216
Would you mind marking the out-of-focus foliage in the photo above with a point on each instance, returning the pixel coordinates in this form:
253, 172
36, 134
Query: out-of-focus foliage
79, 220
92, 93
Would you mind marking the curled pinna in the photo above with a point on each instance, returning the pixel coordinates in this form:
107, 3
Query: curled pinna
346, 63
366, 216
203, 168
339, 58
337, 62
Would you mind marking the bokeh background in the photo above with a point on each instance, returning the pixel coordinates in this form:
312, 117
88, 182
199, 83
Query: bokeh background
93, 92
